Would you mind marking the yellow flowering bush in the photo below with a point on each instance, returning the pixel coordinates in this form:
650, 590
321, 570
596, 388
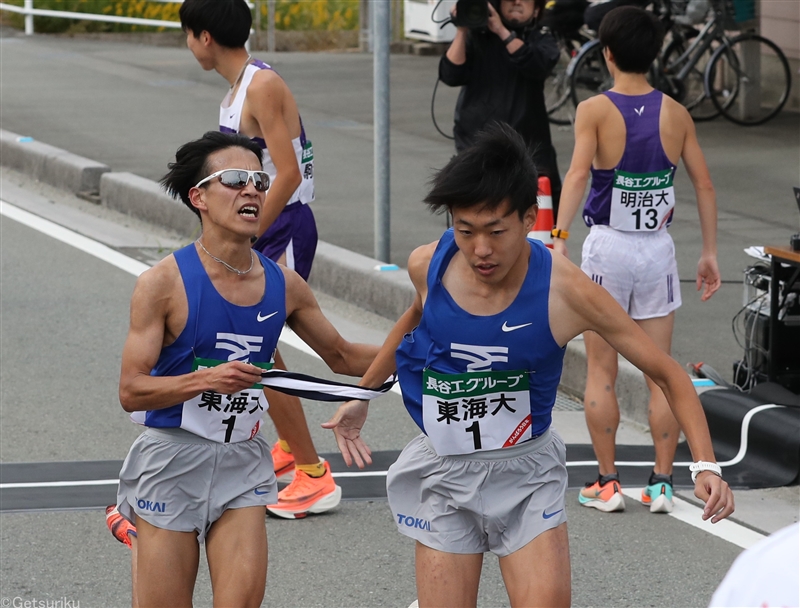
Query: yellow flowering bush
289, 14
313, 14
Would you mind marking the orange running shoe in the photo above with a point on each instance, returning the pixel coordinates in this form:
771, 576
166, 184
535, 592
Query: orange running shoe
306, 495
605, 494
120, 527
283, 463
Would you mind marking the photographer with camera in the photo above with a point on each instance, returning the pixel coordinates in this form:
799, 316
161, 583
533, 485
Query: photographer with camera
501, 59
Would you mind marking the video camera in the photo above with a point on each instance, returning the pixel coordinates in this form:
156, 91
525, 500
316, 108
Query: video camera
472, 14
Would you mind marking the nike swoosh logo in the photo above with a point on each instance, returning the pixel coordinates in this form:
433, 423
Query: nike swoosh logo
257, 493
547, 515
507, 327
259, 318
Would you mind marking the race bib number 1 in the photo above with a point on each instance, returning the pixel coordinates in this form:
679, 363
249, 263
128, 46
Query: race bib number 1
466, 413
641, 202
225, 418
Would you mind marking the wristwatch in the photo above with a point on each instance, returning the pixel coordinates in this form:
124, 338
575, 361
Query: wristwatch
557, 233
698, 467
509, 38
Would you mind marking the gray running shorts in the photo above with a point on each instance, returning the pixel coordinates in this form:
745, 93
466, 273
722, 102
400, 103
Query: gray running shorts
496, 501
178, 481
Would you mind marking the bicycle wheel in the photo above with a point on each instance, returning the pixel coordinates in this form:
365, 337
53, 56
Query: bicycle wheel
560, 110
588, 73
748, 79
691, 91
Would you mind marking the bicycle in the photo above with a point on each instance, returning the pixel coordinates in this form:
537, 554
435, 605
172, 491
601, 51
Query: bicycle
748, 79
557, 86
697, 67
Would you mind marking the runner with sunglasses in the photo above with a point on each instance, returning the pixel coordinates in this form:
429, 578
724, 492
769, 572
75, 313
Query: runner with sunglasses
204, 323
260, 105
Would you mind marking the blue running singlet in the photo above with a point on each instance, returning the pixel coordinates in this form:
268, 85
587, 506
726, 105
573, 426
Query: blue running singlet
475, 383
216, 332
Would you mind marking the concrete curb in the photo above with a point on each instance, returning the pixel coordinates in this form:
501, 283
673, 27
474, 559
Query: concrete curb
146, 200
51, 165
338, 272
352, 277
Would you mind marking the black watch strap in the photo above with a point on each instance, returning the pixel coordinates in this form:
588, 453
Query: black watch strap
509, 38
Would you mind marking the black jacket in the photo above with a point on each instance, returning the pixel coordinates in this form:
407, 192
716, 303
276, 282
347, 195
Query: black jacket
499, 86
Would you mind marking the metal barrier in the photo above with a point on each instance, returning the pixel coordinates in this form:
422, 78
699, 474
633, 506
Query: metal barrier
31, 12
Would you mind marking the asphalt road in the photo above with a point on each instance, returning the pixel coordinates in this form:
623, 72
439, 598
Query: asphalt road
131, 106
63, 324
64, 317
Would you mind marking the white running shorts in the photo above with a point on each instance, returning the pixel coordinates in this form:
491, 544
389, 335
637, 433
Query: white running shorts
638, 269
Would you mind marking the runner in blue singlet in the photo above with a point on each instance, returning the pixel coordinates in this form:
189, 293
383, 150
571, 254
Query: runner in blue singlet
260, 105
479, 357
205, 323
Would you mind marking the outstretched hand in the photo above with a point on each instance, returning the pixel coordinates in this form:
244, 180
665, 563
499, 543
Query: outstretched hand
346, 425
708, 277
714, 491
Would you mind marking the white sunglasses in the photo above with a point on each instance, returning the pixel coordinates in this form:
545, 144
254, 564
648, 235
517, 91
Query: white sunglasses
238, 179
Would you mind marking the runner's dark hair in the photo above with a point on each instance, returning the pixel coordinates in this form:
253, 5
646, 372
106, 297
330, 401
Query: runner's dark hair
228, 21
191, 162
634, 37
497, 167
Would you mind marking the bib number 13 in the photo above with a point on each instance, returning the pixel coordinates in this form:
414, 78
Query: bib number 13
651, 219
641, 202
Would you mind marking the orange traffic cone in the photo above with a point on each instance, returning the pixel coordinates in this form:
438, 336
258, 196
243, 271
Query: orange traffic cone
544, 217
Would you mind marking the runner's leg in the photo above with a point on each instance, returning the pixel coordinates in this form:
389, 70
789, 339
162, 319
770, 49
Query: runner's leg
600, 400
236, 547
167, 564
663, 426
447, 579
134, 569
287, 415
539, 573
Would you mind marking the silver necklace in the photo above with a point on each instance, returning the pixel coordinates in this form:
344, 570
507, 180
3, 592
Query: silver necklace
241, 73
224, 263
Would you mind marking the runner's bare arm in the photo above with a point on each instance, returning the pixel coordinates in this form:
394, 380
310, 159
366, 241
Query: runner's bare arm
578, 175
578, 304
349, 419
152, 304
707, 269
305, 317
384, 364
264, 102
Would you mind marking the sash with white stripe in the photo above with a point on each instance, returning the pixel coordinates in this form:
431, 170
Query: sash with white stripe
309, 387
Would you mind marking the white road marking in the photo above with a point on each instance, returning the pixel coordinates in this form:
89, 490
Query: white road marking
85, 244
59, 484
743, 442
684, 511
692, 515
113, 482
115, 258
134, 267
